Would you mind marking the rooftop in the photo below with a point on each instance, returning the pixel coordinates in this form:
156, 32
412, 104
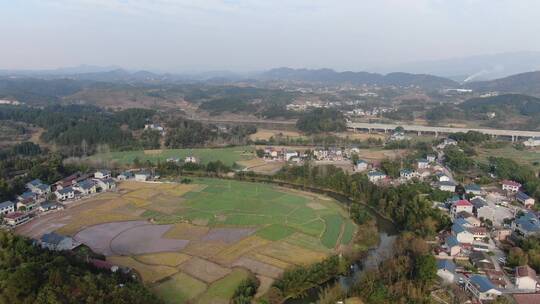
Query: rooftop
446, 265
482, 283
6, 204
65, 190
511, 183
452, 241
522, 196
463, 203
87, 184
35, 182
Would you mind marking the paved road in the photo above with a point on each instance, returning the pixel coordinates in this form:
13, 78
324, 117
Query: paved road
446, 130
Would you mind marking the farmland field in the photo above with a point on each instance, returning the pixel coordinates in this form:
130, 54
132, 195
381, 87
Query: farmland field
195, 243
227, 155
524, 157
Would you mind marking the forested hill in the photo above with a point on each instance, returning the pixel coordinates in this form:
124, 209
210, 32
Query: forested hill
39, 91
524, 83
329, 76
517, 103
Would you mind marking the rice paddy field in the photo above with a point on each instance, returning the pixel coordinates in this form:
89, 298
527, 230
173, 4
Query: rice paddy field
195, 243
229, 155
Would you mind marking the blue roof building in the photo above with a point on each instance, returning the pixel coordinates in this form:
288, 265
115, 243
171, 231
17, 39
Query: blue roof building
446, 265
527, 224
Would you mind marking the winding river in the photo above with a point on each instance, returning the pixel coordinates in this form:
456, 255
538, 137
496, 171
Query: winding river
387, 236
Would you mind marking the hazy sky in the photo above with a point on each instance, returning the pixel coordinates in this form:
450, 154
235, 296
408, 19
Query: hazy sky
176, 35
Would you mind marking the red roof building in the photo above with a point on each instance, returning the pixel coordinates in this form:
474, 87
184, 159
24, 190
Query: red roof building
510, 185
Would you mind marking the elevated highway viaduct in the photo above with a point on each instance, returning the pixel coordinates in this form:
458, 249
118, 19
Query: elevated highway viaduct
513, 134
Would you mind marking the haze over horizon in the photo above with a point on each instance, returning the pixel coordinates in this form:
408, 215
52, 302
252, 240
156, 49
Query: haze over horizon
242, 35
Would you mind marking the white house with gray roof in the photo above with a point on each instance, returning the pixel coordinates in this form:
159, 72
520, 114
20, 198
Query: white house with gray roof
7, 207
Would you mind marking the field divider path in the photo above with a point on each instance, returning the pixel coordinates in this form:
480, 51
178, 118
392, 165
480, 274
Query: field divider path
341, 232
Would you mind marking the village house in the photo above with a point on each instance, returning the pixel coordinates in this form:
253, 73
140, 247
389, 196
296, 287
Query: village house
7, 207
527, 225
461, 206
523, 198
16, 218
422, 163
510, 186
452, 245
290, 154
125, 176
155, 127
447, 142
431, 158
27, 201
142, 176
473, 189
532, 142
461, 233
397, 136
361, 165
375, 176
86, 187
446, 270
105, 184
441, 177
102, 174
481, 209
447, 186
57, 242
407, 174
49, 206
38, 187
482, 288
70, 180
526, 278
191, 160
65, 193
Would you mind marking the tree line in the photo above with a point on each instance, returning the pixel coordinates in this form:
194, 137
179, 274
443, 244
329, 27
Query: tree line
29, 274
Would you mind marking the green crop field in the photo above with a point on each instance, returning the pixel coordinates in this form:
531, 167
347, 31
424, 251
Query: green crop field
333, 229
525, 157
227, 155
230, 228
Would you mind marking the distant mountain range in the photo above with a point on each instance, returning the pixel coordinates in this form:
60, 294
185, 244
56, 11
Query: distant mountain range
328, 76
473, 68
524, 83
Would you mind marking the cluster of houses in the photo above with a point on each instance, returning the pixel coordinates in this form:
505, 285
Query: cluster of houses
41, 197
318, 154
376, 111
190, 159
469, 243
424, 168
